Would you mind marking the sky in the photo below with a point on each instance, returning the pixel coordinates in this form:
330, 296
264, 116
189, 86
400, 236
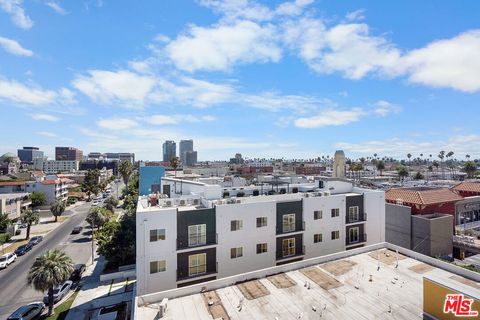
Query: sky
292, 79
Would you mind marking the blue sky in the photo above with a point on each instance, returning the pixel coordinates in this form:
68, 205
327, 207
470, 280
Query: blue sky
293, 79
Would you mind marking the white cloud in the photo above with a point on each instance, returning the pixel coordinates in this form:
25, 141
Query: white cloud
220, 47
44, 117
451, 63
159, 119
239, 9
108, 87
56, 7
17, 13
13, 47
355, 15
47, 134
293, 8
351, 50
117, 123
25, 94
383, 108
330, 118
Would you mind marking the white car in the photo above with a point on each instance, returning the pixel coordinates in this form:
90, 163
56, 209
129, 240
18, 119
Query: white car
59, 292
7, 259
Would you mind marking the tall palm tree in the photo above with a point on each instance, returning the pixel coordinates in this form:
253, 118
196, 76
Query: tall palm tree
57, 208
48, 271
441, 155
29, 217
125, 169
409, 155
381, 166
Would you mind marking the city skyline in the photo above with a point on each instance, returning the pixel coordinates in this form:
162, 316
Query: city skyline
296, 79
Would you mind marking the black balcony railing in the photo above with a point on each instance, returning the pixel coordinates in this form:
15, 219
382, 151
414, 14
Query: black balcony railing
298, 226
360, 239
361, 217
284, 255
196, 271
197, 241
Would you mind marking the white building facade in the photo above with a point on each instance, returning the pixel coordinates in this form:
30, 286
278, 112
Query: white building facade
183, 239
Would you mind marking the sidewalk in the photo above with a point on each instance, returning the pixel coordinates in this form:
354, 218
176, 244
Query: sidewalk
95, 294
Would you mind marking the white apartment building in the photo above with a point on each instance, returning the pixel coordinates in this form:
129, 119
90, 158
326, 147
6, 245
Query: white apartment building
55, 166
196, 232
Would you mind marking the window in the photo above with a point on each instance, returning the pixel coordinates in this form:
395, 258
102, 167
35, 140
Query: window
288, 222
236, 252
157, 266
335, 212
288, 247
261, 222
197, 235
261, 248
353, 235
157, 234
317, 214
335, 235
197, 264
353, 214
236, 225
317, 238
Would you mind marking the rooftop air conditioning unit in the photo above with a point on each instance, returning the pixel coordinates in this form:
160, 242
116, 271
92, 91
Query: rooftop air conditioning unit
182, 202
162, 308
326, 193
307, 195
238, 201
168, 203
195, 201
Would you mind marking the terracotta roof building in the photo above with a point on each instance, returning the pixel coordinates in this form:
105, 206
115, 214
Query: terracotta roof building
467, 189
424, 200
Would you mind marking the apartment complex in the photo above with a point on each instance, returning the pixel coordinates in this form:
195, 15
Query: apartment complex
55, 166
112, 156
68, 153
185, 146
191, 234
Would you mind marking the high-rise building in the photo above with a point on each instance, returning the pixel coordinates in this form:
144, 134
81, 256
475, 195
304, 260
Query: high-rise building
185, 146
29, 154
190, 158
68, 153
169, 150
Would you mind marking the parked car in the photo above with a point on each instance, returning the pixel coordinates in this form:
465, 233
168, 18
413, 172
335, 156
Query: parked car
28, 312
77, 230
59, 292
36, 240
7, 259
78, 270
23, 249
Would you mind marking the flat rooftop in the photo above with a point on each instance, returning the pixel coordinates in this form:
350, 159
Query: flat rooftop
363, 286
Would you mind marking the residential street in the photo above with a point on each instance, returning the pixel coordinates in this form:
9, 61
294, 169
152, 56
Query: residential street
15, 291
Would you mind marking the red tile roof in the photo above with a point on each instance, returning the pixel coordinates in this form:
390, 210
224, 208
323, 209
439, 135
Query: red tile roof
46, 182
12, 183
422, 196
467, 187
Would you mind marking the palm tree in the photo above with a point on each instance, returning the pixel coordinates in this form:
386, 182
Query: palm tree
57, 208
29, 217
48, 271
450, 165
381, 166
470, 167
441, 155
409, 156
174, 164
402, 172
125, 169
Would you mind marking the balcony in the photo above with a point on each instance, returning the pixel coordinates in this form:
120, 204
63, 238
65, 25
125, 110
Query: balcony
184, 243
299, 226
197, 271
280, 255
362, 217
362, 238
